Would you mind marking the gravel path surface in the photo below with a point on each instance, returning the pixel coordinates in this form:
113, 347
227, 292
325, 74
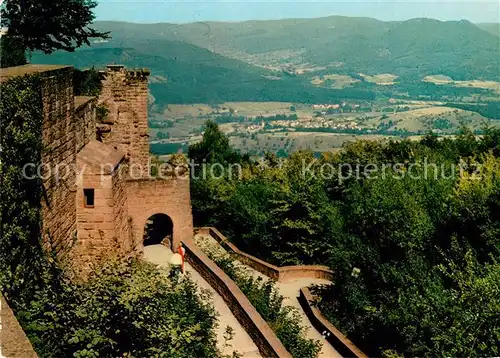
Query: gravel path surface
242, 343
290, 291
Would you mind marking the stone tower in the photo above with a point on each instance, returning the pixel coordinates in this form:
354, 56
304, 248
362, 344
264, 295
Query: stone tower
125, 127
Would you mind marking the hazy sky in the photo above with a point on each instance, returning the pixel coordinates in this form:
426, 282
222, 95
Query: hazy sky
237, 10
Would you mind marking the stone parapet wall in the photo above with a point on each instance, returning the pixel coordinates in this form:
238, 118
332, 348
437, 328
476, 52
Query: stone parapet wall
338, 340
289, 273
281, 274
13, 340
257, 264
263, 336
85, 117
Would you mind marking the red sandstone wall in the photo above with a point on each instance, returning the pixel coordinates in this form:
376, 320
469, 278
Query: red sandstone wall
147, 197
269, 345
13, 340
121, 218
290, 273
125, 94
282, 274
58, 208
107, 227
96, 226
85, 114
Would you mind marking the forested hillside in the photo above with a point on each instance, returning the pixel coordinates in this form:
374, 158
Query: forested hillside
280, 60
416, 47
182, 73
411, 230
493, 28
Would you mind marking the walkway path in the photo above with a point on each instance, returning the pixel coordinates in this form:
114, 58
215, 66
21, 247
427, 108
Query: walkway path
242, 343
290, 291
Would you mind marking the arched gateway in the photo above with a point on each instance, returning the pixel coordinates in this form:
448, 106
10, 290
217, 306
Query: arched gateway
160, 202
158, 229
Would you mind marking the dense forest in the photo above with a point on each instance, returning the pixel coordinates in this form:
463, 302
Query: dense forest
204, 77
488, 110
411, 230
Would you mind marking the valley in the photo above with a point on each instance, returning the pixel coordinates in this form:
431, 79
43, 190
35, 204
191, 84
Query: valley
283, 85
284, 127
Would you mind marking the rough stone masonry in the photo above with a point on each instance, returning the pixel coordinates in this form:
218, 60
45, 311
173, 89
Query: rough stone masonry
97, 206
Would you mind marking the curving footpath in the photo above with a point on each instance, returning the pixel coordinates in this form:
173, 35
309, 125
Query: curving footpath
290, 290
242, 343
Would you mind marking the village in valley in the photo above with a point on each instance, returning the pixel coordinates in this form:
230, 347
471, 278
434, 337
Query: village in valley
257, 127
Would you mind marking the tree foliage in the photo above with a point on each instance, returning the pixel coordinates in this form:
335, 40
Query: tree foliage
125, 308
213, 148
11, 53
47, 26
20, 198
423, 230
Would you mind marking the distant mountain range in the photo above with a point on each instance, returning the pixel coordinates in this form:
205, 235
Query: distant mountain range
458, 49
493, 28
257, 58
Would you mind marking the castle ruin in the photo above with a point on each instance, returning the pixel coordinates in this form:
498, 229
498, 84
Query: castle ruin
98, 194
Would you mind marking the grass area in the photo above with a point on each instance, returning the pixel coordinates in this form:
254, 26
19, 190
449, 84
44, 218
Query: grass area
424, 119
438, 79
260, 108
179, 111
380, 79
176, 111
441, 80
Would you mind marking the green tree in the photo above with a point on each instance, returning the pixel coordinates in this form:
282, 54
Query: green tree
47, 25
400, 227
213, 148
125, 308
11, 54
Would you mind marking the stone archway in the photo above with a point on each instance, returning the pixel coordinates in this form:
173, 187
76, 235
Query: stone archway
158, 229
149, 197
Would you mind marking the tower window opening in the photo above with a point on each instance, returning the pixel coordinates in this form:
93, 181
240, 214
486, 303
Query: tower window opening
88, 195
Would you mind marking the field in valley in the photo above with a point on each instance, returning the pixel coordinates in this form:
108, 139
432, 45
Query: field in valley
334, 81
315, 129
441, 79
380, 79
281, 142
